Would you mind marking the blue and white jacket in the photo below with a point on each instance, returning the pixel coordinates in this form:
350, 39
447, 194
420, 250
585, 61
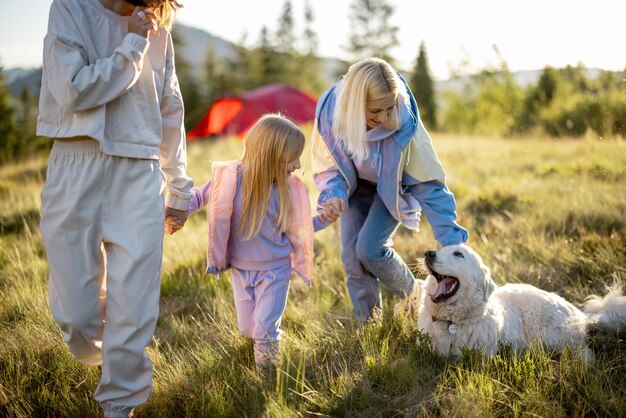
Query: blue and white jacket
410, 178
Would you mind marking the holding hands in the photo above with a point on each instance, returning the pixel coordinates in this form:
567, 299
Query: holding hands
174, 220
142, 22
332, 209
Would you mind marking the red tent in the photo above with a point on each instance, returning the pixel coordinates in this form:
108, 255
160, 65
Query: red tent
235, 115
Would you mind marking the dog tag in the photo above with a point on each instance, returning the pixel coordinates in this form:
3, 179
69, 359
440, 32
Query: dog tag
452, 329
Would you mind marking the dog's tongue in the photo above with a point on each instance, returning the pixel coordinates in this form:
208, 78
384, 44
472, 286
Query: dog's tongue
444, 287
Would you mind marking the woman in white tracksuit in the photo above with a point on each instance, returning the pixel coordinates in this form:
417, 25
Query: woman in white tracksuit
117, 169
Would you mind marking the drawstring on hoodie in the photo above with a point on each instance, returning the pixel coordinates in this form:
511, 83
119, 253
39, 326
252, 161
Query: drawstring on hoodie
376, 159
408, 155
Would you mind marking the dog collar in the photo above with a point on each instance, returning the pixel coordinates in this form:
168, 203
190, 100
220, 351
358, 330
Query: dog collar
451, 325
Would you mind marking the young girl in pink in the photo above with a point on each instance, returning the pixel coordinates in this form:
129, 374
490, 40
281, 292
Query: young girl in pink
260, 227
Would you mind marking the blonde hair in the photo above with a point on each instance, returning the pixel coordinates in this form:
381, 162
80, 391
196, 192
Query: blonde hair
366, 81
166, 13
272, 143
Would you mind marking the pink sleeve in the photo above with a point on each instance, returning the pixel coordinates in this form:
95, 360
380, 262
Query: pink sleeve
200, 197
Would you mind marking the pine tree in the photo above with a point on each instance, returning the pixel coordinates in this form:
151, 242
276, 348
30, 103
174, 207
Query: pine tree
310, 41
266, 65
241, 68
26, 115
309, 65
285, 46
371, 32
537, 98
285, 38
423, 88
546, 87
188, 83
8, 131
27, 124
223, 77
577, 77
211, 71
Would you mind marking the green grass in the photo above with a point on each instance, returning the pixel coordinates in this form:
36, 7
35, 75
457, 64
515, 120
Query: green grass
548, 213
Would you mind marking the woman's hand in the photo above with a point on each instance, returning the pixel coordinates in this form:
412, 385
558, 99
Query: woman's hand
142, 22
174, 220
332, 210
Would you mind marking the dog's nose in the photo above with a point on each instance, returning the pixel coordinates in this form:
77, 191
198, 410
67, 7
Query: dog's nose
430, 254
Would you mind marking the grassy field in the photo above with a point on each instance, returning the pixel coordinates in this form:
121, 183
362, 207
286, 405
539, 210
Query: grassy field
548, 213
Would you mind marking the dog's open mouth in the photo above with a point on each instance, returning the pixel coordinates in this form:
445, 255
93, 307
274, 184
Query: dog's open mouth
447, 286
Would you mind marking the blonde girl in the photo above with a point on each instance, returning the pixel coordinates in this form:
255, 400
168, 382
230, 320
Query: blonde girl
260, 227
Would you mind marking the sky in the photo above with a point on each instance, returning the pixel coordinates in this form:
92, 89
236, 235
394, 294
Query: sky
459, 35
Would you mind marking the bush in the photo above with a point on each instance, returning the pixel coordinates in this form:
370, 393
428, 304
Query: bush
564, 103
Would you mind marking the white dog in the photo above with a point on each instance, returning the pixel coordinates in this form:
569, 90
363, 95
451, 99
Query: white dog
460, 306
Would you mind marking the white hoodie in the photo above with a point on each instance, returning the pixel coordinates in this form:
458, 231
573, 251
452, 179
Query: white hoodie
102, 82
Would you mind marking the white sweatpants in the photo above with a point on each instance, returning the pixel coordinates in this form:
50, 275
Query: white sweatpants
102, 220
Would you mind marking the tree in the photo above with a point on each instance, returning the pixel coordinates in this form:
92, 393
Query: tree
188, 83
266, 65
285, 38
489, 104
285, 46
8, 130
211, 75
309, 64
546, 86
27, 118
27, 125
423, 88
371, 32
222, 76
310, 41
577, 77
537, 99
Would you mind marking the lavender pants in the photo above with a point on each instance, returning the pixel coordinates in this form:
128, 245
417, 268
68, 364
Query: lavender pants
260, 300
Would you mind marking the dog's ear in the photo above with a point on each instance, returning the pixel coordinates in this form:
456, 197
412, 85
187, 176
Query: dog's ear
488, 284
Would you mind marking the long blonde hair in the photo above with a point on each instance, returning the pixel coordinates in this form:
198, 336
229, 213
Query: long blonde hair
366, 81
166, 13
272, 143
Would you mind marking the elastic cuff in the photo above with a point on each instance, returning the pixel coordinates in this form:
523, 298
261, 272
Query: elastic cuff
323, 199
305, 279
97, 361
118, 413
318, 225
138, 42
176, 202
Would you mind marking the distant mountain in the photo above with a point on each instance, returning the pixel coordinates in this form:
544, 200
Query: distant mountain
16, 73
195, 44
522, 78
19, 78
